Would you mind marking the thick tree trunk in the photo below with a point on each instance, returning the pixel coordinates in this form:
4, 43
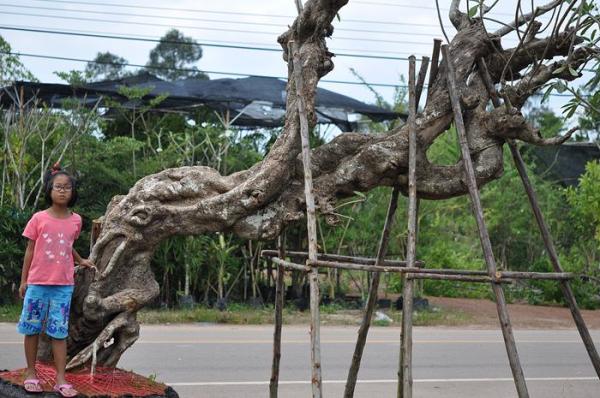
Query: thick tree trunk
259, 202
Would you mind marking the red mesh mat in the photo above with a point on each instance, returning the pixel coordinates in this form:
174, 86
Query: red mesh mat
107, 382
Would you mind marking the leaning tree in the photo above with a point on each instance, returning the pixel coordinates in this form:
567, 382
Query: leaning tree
257, 203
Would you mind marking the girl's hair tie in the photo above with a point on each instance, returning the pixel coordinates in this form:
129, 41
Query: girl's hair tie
55, 169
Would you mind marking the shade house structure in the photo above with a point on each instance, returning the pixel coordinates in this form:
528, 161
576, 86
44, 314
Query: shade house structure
248, 102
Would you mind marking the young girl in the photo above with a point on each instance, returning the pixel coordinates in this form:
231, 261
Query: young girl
47, 277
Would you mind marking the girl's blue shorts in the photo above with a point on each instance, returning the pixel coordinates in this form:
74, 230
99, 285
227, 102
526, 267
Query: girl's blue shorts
47, 305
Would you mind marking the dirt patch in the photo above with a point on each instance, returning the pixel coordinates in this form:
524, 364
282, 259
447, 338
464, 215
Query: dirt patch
482, 313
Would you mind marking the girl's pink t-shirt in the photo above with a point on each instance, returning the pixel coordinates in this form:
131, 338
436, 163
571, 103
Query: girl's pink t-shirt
52, 262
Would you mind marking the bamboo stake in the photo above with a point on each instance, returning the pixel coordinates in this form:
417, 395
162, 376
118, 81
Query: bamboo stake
290, 265
405, 368
545, 231
560, 276
372, 298
421, 81
311, 226
511, 348
435, 59
459, 278
500, 275
337, 258
279, 295
368, 268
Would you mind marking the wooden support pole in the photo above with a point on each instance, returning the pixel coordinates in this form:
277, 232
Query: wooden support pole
560, 276
509, 340
341, 258
405, 367
279, 295
290, 265
421, 81
545, 231
358, 267
311, 222
372, 298
435, 60
458, 278
500, 275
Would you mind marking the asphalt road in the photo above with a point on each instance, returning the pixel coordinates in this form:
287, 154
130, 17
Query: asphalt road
235, 361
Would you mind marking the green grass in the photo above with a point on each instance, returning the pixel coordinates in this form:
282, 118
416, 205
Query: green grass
235, 314
436, 317
330, 315
10, 313
239, 314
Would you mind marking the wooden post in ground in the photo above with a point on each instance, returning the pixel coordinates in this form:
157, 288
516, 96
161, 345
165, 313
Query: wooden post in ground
372, 298
509, 340
588, 342
405, 366
418, 91
279, 295
311, 222
421, 81
435, 59
381, 252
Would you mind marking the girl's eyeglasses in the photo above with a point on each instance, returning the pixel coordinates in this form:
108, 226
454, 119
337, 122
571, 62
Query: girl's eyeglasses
62, 187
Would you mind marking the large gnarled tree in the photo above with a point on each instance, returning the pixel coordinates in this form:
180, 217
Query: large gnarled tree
257, 203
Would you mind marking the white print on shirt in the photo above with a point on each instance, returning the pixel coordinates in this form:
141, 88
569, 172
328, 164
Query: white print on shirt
52, 250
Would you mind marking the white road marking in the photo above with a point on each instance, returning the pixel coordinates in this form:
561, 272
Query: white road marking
340, 341
382, 381
352, 341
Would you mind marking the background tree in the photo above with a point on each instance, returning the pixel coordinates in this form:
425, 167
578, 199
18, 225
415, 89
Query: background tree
174, 57
106, 66
11, 67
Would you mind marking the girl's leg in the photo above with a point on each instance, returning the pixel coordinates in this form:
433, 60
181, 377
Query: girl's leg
31, 348
59, 350
35, 307
57, 327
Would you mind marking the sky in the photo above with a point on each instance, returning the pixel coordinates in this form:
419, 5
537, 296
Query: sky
380, 28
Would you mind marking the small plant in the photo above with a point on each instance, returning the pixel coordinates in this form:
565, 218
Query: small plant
381, 322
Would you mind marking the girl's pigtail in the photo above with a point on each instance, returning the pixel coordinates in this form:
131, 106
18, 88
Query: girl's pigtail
50, 173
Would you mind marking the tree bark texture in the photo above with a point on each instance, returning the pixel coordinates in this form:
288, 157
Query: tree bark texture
259, 202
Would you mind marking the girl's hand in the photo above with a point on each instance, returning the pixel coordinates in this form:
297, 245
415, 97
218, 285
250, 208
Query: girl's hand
22, 289
86, 262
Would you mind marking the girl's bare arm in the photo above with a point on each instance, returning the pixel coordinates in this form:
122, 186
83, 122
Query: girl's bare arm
82, 261
26, 265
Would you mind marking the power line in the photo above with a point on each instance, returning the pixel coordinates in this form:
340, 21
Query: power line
386, 4
232, 46
105, 36
200, 28
279, 25
229, 30
139, 6
214, 72
19, 54
287, 17
42, 29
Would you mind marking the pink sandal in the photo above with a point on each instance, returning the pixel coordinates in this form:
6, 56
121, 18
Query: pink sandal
32, 386
66, 390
